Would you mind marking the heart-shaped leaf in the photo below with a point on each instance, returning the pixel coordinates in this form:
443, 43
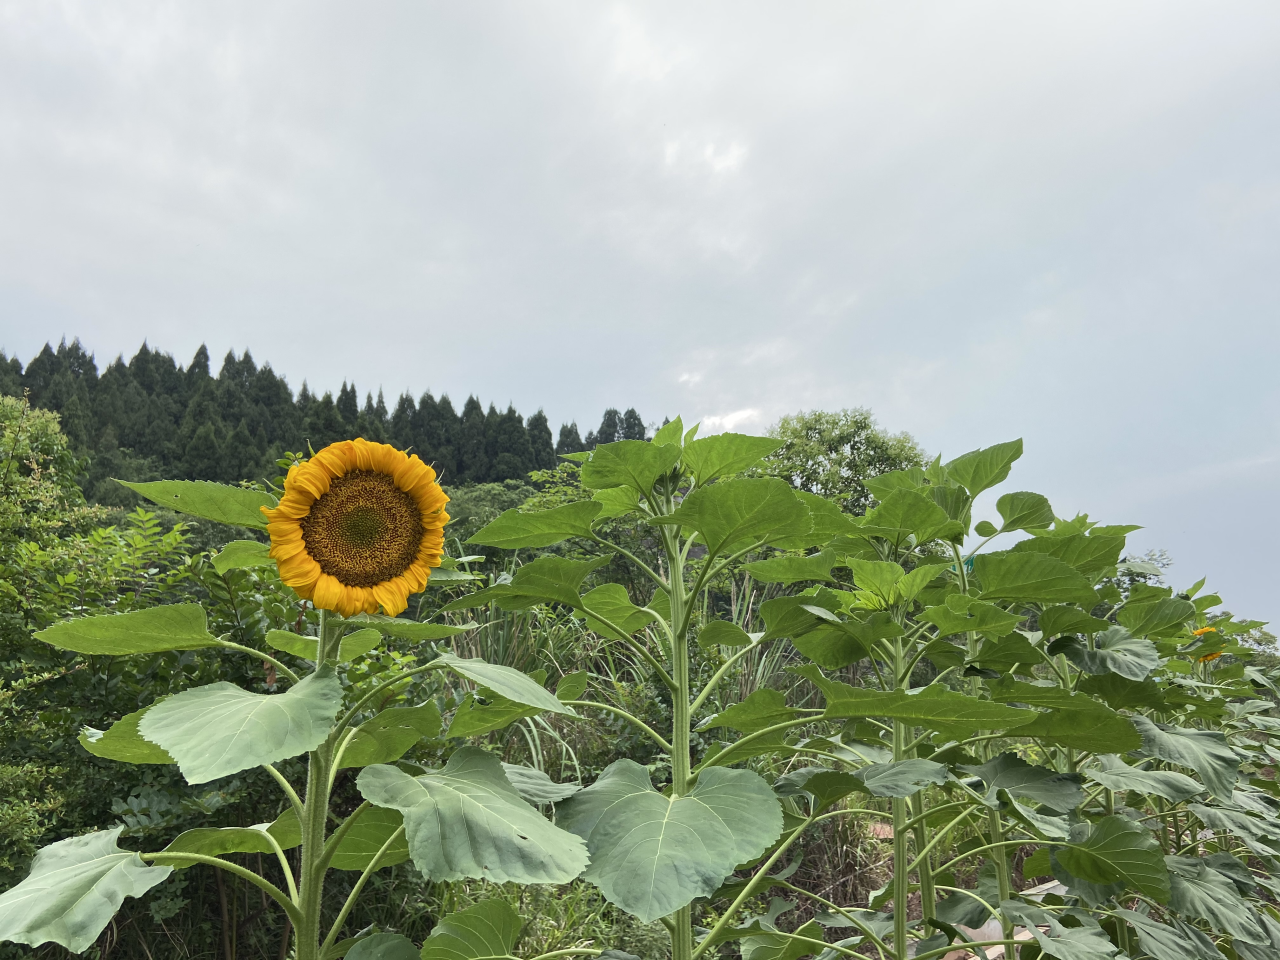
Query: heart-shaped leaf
468, 821
219, 729
73, 890
486, 931
652, 854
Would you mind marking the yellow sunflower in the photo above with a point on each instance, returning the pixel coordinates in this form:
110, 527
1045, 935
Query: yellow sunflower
359, 526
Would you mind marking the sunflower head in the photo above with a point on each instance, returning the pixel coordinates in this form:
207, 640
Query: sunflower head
360, 526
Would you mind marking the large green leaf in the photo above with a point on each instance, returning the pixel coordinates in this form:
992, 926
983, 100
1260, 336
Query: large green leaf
383, 946
468, 821
610, 602
906, 513
1204, 751
1122, 694
359, 846
1173, 940
724, 633
536, 787
1012, 774
1008, 653
1205, 894
242, 553
545, 580
616, 502
793, 569
901, 779
651, 854
1030, 577
1163, 617
979, 470
371, 831
1024, 511
1116, 849
1099, 730
121, 741
1091, 555
735, 513
219, 729
962, 614
74, 888
485, 711
817, 632
178, 626
628, 463
507, 681
1062, 618
765, 707
217, 841
933, 706
486, 931
725, 454
389, 735
1114, 651
514, 529
1114, 774
236, 506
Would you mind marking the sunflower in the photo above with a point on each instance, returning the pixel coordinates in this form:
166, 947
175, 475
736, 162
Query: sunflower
359, 526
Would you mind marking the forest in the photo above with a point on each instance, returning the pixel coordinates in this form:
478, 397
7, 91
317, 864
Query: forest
151, 418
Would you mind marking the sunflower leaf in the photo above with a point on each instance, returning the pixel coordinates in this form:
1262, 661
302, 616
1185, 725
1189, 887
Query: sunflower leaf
219, 729
74, 888
122, 742
468, 821
236, 506
513, 529
486, 931
506, 681
177, 626
652, 854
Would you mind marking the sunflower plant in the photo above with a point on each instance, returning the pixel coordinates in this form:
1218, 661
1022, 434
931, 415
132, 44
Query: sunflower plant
1022, 701
1032, 698
355, 530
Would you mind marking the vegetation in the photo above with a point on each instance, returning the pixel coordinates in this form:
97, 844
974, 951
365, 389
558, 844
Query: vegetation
771, 696
151, 418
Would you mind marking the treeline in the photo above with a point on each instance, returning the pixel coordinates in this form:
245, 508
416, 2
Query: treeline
150, 418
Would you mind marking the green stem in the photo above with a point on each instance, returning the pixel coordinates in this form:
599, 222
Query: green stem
274, 892
314, 819
228, 645
657, 738
928, 899
901, 870
355, 890
720, 674
287, 787
876, 942
749, 890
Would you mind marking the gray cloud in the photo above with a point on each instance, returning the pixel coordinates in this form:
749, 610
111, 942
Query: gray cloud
981, 220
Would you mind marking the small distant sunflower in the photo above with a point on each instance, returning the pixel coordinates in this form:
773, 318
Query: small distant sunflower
359, 526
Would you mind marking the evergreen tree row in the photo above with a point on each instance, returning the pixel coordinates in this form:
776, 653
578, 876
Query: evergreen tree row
150, 418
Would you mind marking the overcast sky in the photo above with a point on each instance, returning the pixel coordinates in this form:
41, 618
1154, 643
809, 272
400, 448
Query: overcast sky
981, 220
